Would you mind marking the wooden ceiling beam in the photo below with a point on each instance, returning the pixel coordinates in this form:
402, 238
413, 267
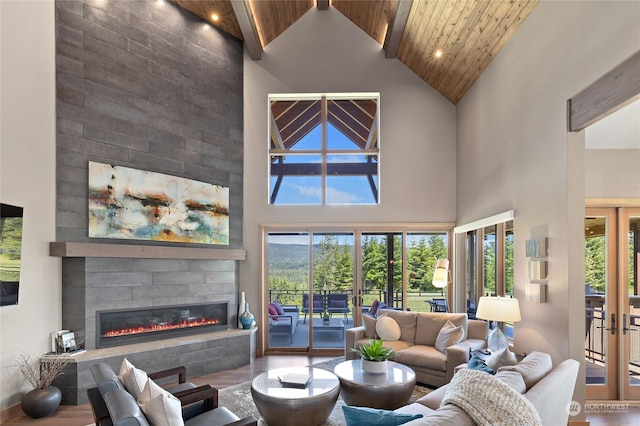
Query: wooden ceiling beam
396, 28
247, 23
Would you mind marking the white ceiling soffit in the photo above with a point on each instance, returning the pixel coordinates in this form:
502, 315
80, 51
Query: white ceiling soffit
620, 130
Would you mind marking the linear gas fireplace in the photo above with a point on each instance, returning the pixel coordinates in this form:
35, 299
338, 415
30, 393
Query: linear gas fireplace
126, 326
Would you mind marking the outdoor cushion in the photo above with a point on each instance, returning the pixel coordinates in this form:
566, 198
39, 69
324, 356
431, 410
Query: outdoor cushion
374, 307
272, 309
338, 304
278, 307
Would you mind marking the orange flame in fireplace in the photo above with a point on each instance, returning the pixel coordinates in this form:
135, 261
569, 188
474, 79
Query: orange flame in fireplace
157, 327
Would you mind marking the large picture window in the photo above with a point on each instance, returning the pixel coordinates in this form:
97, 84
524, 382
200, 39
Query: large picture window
324, 149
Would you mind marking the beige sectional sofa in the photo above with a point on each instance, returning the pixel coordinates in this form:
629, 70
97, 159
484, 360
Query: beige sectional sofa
548, 390
416, 345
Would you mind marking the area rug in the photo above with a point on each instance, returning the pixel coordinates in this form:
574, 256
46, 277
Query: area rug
238, 398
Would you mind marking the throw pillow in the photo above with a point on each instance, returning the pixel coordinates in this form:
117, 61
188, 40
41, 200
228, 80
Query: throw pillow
358, 416
134, 381
278, 307
272, 310
163, 410
532, 368
124, 367
449, 335
317, 303
374, 308
388, 329
338, 304
501, 358
369, 326
475, 363
151, 390
513, 379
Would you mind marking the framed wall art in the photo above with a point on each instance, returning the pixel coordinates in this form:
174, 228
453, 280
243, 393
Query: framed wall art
135, 204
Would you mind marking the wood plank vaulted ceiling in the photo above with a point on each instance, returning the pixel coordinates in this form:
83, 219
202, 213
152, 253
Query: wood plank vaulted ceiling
469, 33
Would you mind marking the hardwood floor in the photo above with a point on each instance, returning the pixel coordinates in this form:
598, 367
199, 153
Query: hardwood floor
80, 415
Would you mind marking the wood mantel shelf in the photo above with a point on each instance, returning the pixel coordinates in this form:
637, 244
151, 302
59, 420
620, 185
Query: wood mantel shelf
62, 249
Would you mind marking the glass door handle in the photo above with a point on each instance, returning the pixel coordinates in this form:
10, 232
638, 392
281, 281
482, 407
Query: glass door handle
613, 324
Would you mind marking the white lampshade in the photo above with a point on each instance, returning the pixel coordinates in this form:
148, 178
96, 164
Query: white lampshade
441, 273
500, 309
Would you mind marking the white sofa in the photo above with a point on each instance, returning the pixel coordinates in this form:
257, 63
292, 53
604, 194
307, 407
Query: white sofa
548, 389
416, 346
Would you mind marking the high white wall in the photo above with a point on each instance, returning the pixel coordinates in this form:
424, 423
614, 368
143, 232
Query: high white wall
513, 152
27, 179
612, 173
325, 52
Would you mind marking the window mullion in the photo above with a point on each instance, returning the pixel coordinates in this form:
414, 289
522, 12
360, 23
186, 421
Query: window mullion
323, 147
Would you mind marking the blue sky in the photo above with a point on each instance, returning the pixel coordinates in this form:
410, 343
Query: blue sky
340, 190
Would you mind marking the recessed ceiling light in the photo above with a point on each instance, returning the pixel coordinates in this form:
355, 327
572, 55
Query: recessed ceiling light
438, 53
214, 17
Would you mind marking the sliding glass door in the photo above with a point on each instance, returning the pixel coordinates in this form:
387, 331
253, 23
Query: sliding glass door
323, 279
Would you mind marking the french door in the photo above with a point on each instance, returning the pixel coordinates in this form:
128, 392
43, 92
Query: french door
612, 303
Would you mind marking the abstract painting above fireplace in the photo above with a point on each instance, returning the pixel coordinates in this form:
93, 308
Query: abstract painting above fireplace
135, 204
126, 326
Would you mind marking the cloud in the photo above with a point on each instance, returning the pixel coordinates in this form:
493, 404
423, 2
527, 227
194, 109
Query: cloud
334, 195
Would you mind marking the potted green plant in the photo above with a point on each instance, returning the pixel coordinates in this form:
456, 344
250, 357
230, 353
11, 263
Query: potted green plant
325, 317
374, 356
44, 399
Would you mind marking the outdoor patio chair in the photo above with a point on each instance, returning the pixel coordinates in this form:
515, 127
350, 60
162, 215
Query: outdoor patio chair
282, 320
338, 303
318, 305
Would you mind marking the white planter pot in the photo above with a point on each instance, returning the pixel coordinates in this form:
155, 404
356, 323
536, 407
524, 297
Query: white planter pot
375, 367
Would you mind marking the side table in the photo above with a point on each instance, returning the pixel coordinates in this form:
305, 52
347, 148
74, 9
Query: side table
389, 391
288, 406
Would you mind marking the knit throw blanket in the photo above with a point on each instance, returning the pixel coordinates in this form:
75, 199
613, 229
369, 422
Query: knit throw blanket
488, 401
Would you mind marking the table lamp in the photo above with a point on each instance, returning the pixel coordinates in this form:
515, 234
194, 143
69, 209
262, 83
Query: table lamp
498, 309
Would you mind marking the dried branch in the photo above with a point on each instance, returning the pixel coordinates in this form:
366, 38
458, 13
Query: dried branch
40, 374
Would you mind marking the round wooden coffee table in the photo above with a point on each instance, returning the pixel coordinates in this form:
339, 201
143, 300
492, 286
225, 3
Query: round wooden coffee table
389, 391
280, 405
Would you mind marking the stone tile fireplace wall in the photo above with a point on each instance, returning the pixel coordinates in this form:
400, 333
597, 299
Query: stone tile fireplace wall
96, 284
